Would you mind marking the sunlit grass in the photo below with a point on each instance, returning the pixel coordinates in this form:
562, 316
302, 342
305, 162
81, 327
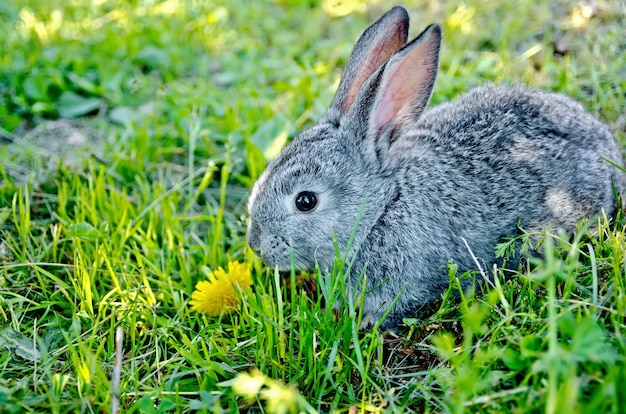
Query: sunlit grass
181, 104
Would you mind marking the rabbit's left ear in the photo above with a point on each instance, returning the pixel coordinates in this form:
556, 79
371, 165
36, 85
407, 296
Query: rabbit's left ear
377, 44
406, 85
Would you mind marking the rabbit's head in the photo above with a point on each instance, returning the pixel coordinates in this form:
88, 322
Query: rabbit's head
338, 172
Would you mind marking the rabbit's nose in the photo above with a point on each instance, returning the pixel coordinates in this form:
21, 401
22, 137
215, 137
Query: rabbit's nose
254, 237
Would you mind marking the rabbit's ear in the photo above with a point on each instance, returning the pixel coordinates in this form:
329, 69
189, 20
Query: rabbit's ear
406, 84
377, 44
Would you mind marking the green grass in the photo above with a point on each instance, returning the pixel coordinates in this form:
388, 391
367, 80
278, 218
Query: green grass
131, 134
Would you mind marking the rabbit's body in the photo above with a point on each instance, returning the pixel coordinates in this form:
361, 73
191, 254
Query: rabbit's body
447, 183
460, 180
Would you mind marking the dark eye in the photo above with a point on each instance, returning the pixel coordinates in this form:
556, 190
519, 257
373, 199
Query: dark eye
306, 201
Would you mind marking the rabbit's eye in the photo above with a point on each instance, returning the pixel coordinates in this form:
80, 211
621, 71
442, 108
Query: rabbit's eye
306, 201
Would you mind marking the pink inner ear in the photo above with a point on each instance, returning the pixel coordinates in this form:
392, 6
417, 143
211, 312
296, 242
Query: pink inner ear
385, 48
406, 85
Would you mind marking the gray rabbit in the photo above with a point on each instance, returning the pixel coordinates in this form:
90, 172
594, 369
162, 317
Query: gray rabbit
432, 185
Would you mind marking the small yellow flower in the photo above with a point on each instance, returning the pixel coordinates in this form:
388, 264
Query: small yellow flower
340, 8
218, 295
280, 399
249, 385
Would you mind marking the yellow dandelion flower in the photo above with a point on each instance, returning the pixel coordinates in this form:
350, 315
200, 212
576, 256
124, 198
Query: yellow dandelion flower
340, 8
248, 385
218, 295
280, 399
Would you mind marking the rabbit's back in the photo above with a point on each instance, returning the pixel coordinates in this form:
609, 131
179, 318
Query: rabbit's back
492, 111
526, 154
473, 170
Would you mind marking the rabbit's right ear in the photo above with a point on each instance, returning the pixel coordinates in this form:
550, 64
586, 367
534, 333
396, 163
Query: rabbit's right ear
377, 44
407, 82
395, 96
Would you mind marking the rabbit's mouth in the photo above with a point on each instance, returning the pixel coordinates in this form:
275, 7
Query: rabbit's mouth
286, 264
273, 258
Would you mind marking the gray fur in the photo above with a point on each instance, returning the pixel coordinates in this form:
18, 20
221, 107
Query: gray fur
465, 171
